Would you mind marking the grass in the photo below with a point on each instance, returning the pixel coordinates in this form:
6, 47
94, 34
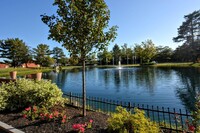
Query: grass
186, 64
24, 71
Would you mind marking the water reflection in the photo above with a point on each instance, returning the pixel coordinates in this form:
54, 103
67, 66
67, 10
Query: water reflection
168, 87
190, 86
146, 76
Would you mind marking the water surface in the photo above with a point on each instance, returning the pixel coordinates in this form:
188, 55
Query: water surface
165, 87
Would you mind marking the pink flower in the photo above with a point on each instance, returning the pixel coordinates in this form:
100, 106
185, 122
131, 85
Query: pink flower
63, 120
191, 128
56, 113
91, 121
50, 116
64, 117
27, 109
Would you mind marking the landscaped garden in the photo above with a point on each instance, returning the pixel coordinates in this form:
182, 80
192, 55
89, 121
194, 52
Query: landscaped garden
38, 106
151, 89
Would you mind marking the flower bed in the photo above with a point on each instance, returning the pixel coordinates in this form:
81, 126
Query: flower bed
97, 120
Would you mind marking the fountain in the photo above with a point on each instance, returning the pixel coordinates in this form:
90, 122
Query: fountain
119, 65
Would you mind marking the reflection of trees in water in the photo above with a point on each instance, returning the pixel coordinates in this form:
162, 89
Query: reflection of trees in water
127, 77
119, 77
146, 77
164, 72
190, 78
106, 76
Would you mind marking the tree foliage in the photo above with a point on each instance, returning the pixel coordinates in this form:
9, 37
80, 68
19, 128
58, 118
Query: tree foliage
164, 54
80, 25
189, 31
14, 51
116, 53
58, 55
189, 34
42, 53
146, 51
105, 57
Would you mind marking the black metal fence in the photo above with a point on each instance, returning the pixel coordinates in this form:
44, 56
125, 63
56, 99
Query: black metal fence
171, 119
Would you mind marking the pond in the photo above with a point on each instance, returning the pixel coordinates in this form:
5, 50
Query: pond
164, 87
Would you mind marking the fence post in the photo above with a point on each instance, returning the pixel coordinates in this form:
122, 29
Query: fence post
129, 106
70, 97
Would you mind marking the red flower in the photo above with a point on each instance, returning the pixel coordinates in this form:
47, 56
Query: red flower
91, 121
79, 127
82, 130
27, 109
34, 109
75, 126
24, 116
191, 128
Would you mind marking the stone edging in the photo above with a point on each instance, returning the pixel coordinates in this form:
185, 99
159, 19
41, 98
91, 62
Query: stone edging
9, 129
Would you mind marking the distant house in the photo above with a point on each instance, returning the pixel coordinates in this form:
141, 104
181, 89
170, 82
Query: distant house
30, 65
3, 65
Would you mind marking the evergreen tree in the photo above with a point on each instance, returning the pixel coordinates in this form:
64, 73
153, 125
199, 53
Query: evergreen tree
41, 55
189, 34
14, 51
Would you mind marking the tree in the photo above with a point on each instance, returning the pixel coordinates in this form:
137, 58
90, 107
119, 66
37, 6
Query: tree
164, 54
127, 53
189, 34
42, 53
80, 26
64, 61
14, 51
58, 54
138, 50
146, 51
116, 53
105, 57
189, 31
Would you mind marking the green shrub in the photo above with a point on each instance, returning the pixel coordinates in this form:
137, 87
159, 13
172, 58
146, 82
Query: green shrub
26, 92
125, 122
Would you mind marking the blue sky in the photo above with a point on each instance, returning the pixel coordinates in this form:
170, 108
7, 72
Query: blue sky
138, 20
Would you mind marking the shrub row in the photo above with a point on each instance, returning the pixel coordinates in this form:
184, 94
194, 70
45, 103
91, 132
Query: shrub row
25, 92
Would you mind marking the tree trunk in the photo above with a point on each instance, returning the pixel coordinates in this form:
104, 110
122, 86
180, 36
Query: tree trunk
83, 88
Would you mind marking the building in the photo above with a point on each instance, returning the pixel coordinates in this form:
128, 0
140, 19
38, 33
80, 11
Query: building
30, 65
3, 65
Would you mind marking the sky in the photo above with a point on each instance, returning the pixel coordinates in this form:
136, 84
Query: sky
138, 20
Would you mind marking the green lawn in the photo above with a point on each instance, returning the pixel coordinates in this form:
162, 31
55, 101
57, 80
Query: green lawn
22, 71
25, 71
187, 64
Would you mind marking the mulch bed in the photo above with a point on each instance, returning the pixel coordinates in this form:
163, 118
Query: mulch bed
16, 120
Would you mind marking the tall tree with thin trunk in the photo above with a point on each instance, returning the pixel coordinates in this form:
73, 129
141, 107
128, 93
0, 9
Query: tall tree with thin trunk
80, 25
